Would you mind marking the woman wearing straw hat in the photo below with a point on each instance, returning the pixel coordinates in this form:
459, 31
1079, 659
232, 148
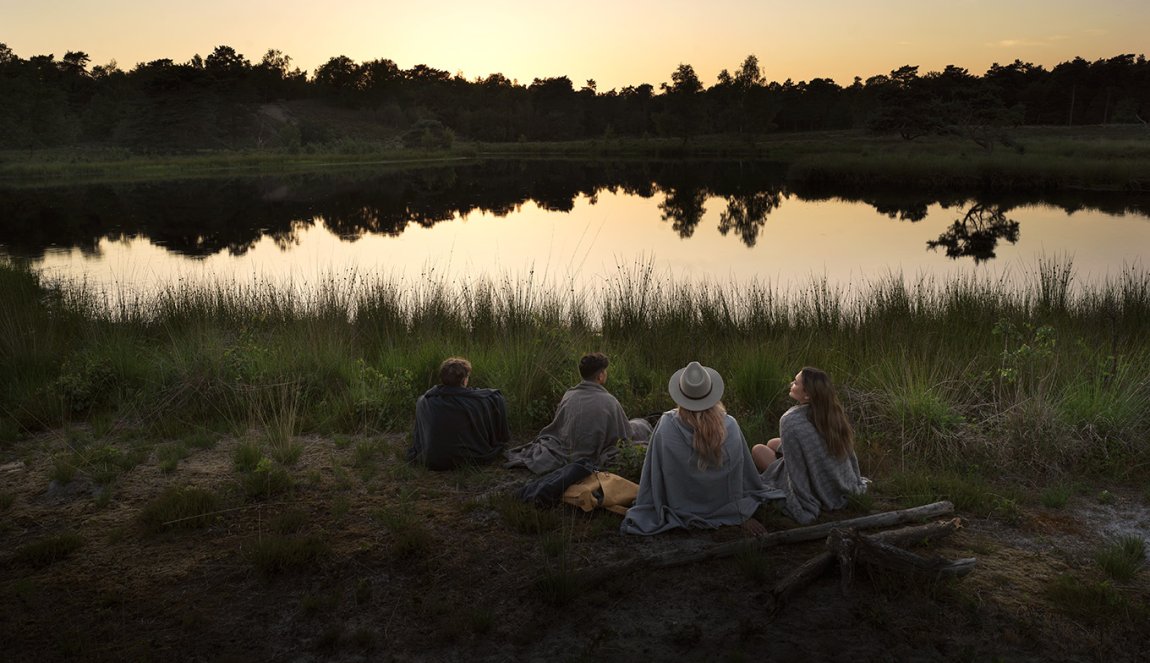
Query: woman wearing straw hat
698, 471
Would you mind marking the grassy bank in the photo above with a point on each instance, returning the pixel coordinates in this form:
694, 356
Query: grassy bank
961, 375
1102, 158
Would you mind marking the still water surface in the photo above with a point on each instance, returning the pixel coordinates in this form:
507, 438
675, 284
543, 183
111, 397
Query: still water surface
559, 224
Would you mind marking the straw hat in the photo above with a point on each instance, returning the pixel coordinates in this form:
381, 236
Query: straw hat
696, 387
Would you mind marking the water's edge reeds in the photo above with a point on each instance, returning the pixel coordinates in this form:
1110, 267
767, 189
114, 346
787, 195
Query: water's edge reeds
967, 375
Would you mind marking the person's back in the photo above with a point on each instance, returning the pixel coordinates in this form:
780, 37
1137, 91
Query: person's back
457, 425
588, 424
698, 472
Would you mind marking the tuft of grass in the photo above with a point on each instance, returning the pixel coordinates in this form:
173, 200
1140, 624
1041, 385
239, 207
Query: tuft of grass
267, 480
7, 499
288, 522
201, 439
525, 518
180, 507
1096, 603
49, 551
277, 554
1056, 496
410, 537
287, 452
170, 455
629, 460
1122, 558
63, 470
753, 563
558, 585
247, 456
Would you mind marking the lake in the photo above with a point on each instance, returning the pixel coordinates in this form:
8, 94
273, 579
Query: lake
557, 223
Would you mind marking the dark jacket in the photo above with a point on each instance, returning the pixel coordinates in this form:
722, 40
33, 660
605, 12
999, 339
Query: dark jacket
458, 426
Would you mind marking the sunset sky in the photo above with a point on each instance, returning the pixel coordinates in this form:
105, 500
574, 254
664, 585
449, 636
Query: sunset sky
615, 42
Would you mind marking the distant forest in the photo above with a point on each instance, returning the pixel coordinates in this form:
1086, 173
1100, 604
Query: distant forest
225, 101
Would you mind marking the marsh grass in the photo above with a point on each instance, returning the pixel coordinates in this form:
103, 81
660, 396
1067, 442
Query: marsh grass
1122, 558
277, 554
948, 374
48, 551
180, 508
1056, 496
969, 493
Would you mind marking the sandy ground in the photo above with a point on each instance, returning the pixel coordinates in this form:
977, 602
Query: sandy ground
464, 582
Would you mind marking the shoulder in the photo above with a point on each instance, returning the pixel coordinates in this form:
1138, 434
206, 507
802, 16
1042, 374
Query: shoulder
796, 416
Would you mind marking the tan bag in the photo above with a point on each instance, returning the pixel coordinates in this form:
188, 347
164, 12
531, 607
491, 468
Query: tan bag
603, 490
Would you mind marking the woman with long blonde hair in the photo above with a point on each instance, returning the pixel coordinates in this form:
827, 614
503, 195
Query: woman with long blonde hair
813, 458
698, 471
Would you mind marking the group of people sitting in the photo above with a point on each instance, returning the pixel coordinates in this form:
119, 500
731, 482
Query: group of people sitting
698, 471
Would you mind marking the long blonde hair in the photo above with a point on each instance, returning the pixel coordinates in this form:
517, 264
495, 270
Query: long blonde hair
826, 413
710, 428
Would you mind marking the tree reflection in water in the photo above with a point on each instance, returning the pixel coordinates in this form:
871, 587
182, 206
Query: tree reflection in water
747, 214
199, 219
977, 233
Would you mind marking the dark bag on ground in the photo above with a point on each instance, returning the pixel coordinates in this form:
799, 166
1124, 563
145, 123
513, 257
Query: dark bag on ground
548, 489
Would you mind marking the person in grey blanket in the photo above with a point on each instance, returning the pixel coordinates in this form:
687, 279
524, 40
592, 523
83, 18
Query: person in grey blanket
813, 458
588, 423
457, 425
698, 471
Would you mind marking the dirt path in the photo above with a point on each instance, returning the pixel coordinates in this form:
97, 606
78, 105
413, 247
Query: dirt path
365, 558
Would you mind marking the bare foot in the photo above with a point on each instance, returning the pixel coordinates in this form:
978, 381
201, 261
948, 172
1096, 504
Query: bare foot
752, 527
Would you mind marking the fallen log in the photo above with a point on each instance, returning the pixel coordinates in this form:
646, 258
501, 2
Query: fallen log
815, 567
874, 552
769, 540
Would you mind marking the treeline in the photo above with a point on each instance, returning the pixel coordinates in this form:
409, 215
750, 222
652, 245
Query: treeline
225, 100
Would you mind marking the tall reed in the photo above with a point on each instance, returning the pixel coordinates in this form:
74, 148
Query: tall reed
1028, 377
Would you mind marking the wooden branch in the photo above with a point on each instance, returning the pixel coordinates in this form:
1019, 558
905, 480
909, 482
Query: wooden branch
816, 566
892, 558
796, 535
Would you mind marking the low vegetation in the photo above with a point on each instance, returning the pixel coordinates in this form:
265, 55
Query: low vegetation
968, 374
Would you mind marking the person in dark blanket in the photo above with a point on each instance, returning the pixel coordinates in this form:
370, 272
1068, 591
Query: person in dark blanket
457, 425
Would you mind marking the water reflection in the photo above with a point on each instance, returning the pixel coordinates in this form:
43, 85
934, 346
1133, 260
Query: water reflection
976, 234
207, 218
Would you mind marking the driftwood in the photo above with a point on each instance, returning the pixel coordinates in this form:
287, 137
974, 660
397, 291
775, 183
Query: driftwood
883, 555
769, 540
881, 550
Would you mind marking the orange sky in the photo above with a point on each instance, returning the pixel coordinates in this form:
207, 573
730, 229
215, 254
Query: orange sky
616, 42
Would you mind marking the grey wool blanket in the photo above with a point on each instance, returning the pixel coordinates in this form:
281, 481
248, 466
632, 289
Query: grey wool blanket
812, 479
674, 492
588, 423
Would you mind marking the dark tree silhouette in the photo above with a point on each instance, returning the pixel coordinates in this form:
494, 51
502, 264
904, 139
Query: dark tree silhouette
977, 233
